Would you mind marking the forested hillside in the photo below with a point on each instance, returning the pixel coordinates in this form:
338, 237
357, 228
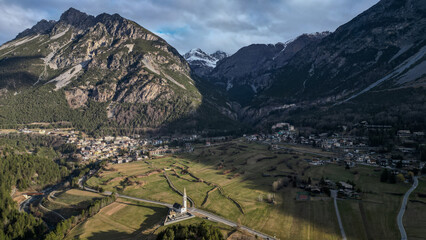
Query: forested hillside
21, 169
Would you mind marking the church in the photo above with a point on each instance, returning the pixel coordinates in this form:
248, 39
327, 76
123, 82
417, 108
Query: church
179, 212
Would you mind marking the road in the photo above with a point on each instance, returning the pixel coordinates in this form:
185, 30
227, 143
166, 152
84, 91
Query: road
46, 209
334, 196
24, 205
403, 207
216, 218
210, 216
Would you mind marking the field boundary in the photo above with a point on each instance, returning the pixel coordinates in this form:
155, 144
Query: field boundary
177, 190
207, 196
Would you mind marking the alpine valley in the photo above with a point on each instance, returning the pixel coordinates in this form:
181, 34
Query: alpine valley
108, 132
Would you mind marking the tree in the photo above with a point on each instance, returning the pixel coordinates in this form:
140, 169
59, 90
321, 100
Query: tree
424, 170
322, 181
385, 176
399, 164
193, 231
400, 177
392, 178
423, 153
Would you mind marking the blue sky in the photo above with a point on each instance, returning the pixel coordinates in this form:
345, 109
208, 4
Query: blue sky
207, 24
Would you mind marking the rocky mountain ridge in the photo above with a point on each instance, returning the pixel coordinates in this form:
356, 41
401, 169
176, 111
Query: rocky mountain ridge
202, 63
248, 71
380, 50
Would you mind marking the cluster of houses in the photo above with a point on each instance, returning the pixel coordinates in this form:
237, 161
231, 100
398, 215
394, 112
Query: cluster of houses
351, 149
122, 149
344, 189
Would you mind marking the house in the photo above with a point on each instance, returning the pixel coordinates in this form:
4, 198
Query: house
404, 133
346, 185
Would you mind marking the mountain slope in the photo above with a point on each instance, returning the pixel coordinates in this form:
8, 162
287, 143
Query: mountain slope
380, 52
126, 75
388, 38
248, 71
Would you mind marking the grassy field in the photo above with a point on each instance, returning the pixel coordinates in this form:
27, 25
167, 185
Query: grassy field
122, 219
415, 214
125, 219
234, 179
240, 174
71, 202
374, 217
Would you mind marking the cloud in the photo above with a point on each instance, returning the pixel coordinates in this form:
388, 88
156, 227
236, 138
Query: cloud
14, 18
210, 25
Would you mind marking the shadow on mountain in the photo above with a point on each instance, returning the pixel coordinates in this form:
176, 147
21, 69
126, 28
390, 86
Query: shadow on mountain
13, 73
212, 117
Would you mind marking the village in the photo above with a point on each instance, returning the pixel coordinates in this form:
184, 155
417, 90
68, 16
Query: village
350, 149
347, 149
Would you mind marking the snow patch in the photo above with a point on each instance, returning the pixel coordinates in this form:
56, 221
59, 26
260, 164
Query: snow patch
198, 57
206, 61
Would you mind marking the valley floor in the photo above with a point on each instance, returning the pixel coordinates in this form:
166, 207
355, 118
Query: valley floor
234, 180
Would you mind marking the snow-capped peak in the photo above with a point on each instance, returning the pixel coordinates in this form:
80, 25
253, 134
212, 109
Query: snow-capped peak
199, 58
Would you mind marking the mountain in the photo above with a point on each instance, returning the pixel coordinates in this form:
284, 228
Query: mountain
202, 63
384, 43
107, 73
103, 72
371, 68
248, 71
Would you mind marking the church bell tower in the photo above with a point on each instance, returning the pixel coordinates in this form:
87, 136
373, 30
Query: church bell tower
184, 207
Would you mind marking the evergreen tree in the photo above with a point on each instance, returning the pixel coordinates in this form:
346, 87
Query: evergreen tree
385, 176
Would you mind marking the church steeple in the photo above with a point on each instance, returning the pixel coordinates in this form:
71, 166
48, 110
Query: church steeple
184, 207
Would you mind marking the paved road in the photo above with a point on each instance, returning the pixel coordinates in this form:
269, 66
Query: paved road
334, 196
210, 216
216, 218
403, 207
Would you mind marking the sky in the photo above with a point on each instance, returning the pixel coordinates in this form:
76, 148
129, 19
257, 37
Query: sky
210, 25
